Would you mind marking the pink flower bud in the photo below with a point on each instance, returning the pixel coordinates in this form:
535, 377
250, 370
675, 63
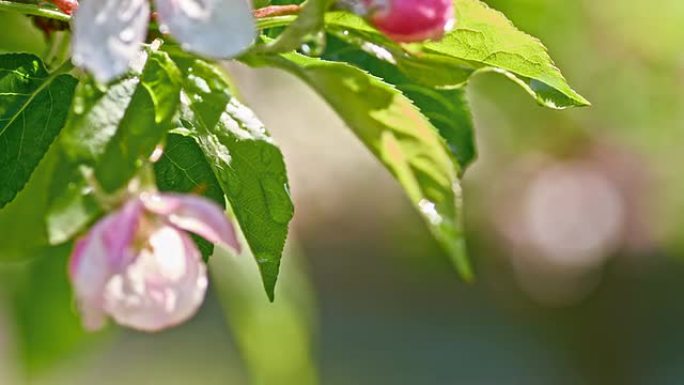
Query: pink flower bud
139, 266
66, 6
411, 20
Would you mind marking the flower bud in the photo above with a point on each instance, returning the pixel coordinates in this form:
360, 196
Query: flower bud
66, 6
139, 266
411, 20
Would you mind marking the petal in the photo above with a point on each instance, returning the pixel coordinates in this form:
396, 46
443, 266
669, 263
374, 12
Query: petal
215, 28
195, 214
99, 255
163, 287
108, 34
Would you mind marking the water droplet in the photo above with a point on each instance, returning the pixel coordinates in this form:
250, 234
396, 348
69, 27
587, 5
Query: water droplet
157, 154
77, 59
379, 52
163, 28
429, 209
314, 44
277, 199
79, 106
198, 84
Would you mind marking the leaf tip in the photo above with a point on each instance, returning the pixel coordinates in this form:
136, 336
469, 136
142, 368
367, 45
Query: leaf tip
465, 270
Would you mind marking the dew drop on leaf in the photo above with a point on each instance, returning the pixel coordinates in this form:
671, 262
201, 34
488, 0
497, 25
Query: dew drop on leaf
277, 199
314, 44
429, 209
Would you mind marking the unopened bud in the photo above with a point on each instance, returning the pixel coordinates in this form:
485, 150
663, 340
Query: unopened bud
411, 20
66, 6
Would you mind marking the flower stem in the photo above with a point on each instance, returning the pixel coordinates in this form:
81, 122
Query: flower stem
277, 10
33, 9
275, 21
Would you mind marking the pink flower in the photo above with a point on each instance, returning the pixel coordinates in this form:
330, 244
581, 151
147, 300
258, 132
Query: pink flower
411, 20
139, 266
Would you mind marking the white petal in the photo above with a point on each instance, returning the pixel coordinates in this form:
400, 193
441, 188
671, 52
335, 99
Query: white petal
108, 34
163, 287
215, 28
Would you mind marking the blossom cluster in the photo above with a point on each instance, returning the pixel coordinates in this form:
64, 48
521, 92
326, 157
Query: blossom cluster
138, 265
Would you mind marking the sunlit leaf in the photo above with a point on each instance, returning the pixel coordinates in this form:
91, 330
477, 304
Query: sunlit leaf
485, 37
111, 131
248, 165
397, 134
447, 109
483, 40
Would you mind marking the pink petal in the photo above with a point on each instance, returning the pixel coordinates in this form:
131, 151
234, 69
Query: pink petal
195, 214
163, 287
99, 255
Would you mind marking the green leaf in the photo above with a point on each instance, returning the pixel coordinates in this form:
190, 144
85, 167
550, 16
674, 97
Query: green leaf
447, 109
260, 3
111, 130
484, 40
95, 117
184, 169
33, 109
72, 204
247, 164
449, 112
397, 134
147, 119
22, 222
427, 69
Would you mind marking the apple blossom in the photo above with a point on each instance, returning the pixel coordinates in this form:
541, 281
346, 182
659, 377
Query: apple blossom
411, 20
139, 266
108, 33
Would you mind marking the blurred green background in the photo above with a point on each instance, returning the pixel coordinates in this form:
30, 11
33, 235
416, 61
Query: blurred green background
574, 218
